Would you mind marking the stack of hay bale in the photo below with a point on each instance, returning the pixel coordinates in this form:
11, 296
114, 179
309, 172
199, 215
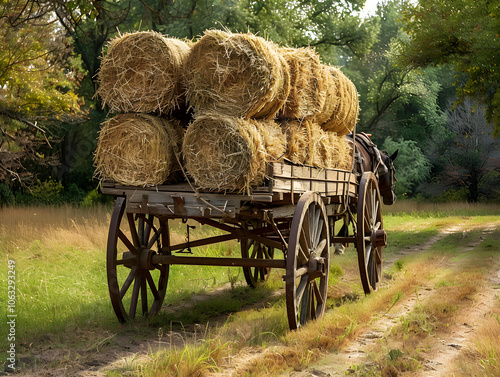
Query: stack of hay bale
321, 109
236, 84
139, 78
253, 103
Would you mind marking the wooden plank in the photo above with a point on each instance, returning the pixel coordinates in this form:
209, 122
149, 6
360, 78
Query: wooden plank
283, 178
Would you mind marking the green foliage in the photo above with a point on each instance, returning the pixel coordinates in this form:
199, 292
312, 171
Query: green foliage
464, 34
48, 192
6, 195
395, 99
391, 57
328, 25
453, 195
412, 167
395, 354
38, 75
465, 150
39, 78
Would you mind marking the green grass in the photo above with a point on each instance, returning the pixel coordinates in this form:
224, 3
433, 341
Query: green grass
62, 291
61, 283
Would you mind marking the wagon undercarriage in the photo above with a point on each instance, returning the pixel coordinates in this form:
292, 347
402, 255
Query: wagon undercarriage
295, 212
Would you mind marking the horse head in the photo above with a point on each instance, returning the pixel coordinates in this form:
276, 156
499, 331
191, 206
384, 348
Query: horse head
387, 180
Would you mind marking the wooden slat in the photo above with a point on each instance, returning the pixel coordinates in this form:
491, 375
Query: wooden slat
299, 179
283, 179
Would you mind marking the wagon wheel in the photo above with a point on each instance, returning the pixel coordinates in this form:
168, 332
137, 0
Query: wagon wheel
371, 237
255, 250
131, 276
307, 261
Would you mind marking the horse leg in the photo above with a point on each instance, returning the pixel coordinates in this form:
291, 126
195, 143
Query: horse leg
343, 232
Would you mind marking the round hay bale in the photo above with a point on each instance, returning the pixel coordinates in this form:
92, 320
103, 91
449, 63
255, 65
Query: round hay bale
241, 75
307, 88
138, 149
229, 153
273, 138
141, 72
309, 144
297, 142
334, 152
341, 108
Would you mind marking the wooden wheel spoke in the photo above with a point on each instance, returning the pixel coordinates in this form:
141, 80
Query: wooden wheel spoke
260, 251
133, 230
375, 272
367, 224
305, 232
301, 289
312, 301
254, 250
256, 274
149, 226
376, 209
302, 257
152, 286
266, 254
320, 247
319, 232
306, 305
126, 285
378, 255
144, 295
317, 293
313, 222
301, 271
135, 296
304, 245
128, 260
127, 242
368, 252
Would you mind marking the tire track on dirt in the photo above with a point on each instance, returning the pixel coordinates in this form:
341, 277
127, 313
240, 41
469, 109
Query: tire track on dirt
444, 351
447, 349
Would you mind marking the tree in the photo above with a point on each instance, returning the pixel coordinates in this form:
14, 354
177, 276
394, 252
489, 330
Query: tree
464, 34
39, 77
467, 149
389, 89
326, 25
89, 25
412, 166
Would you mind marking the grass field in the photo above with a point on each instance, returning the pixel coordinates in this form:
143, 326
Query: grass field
62, 300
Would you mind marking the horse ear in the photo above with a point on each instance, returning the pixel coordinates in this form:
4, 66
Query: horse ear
394, 155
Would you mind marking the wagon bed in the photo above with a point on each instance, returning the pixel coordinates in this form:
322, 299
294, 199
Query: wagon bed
295, 211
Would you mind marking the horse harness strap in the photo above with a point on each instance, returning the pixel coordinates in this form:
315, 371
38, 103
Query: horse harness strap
378, 166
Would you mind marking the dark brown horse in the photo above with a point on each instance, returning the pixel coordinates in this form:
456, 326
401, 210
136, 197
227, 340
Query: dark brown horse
370, 158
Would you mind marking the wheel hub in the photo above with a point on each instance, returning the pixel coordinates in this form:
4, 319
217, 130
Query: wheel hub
144, 257
379, 238
316, 266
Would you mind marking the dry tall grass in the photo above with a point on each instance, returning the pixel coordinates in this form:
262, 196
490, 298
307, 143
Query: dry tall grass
82, 227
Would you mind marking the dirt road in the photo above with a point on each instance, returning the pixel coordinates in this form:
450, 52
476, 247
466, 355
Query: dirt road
441, 352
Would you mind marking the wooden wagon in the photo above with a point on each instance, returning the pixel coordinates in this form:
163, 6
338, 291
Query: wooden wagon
294, 211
